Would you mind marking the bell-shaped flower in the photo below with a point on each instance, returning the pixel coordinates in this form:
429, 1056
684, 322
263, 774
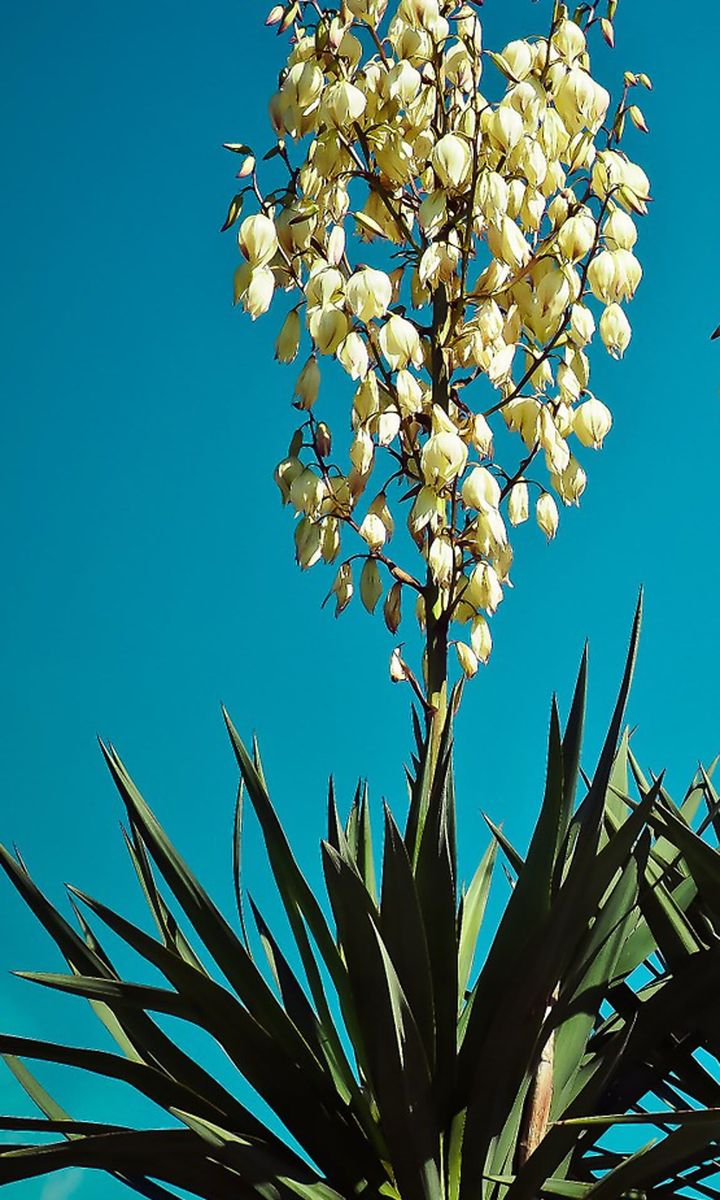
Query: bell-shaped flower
481, 638
400, 343
257, 238
368, 293
288, 339
592, 423
484, 589
343, 104
480, 490
518, 503
308, 384
353, 355
452, 162
615, 330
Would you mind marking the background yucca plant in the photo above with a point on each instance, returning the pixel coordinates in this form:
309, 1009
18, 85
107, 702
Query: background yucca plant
600, 986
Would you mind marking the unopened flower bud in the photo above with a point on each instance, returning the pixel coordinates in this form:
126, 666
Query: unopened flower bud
322, 440
336, 245
342, 588
546, 512
392, 608
288, 341
481, 638
518, 503
398, 671
373, 531
308, 384
275, 15
371, 587
467, 659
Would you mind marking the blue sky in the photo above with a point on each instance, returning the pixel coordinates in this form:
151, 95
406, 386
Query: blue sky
148, 571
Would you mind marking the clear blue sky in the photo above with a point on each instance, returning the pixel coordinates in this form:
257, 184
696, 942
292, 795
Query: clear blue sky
148, 572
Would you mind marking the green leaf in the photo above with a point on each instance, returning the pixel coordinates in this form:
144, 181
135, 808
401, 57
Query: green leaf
472, 911
234, 211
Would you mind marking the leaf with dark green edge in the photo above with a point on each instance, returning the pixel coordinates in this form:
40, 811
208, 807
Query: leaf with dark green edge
686, 1002
672, 931
516, 860
581, 997
365, 854
436, 884
295, 1001
703, 860
302, 907
257, 1165
312, 1191
34, 1089
419, 786
712, 800
641, 943
686, 1116
335, 833
137, 1035
453, 1154
515, 1019
224, 945
403, 933
526, 909
302, 1093
237, 865
398, 1068
165, 920
569, 1188
618, 786
145, 1078
173, 1156
67, 1128
683, 1148
472, 911
572, 743
351, 825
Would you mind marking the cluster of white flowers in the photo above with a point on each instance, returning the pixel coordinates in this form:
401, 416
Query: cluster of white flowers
503, 237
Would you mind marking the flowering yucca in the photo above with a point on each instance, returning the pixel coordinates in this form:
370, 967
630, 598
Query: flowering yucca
454, 226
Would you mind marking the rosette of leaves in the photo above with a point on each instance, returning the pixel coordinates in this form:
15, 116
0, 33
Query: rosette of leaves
399, 1065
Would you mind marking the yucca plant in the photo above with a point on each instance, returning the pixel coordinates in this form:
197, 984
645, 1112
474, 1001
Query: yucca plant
397, 1066
405, 1050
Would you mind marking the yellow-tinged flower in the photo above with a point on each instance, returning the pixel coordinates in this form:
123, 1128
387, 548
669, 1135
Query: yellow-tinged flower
546, 512
483, 588
353, 355
441, 560
505, 127
259, 293
288, 340
582, 324
409, 393
619, 231
403, 82
398, 670
307, 492
372, 530
577, 236
519, 57
452, 162
592, 422
570, 483
481, 638
427, 511
303, 85
481, 490
581, 102
368, 293
569, 40
507, 243
328, 327
258, 240
362, 451
518, 503
330, 539
400, 343
367, 400
615, 330
343, 104
308, 384
481, 435
467, 659
285, 473
443, 458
